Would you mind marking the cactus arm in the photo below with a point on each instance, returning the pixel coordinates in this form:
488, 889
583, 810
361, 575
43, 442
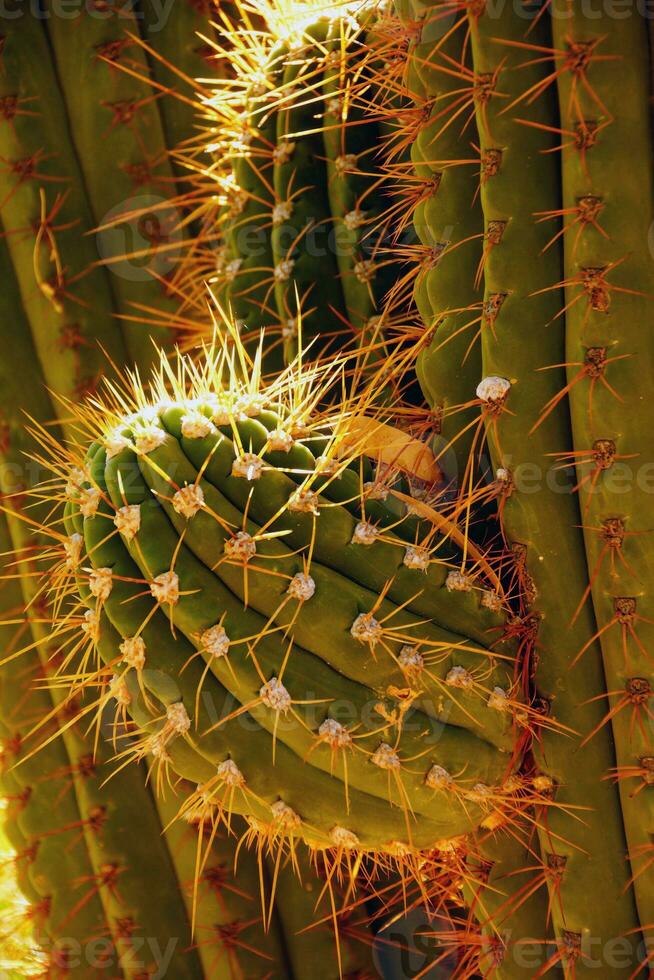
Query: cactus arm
205, 538
191, 627
294, 164
228, 905
612, 323
531, 522
68, 303
177, 59
130, 182
449, 225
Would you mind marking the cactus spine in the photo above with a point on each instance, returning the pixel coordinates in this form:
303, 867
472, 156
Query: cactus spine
304, 248
71, 830
540, 238
238, 503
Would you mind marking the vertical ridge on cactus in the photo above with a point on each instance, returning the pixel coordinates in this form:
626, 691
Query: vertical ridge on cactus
448, 222
46, 216
530, 292
129, 183
546, 208
608, 286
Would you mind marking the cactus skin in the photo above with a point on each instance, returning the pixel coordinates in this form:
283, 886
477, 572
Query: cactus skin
34, 790
608, 321
531, 524
543, 422
178, 55
65, 857
133, 186
449, 225
474, 738
229, 932
55, 189
301, 193
510, 915
70, 313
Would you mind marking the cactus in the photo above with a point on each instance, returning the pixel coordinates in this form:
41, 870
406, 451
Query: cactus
303, 215
541, 96
239, 593
77, 825
70, 823
227, 546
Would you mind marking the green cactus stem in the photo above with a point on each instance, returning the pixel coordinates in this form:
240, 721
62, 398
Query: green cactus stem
530, 522
504, 71
608, 288
130, 183
46, 218
237, 586
303, 195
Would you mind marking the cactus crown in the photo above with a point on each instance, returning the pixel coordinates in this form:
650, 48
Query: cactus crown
276, 623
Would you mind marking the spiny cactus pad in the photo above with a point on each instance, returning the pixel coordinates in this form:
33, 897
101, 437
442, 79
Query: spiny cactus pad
285, 637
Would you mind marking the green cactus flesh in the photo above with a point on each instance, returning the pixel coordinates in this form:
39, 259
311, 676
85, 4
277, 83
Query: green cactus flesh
302, 194
140, 236
557, 338
448, 221
252, 619
46, 218
89, 847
